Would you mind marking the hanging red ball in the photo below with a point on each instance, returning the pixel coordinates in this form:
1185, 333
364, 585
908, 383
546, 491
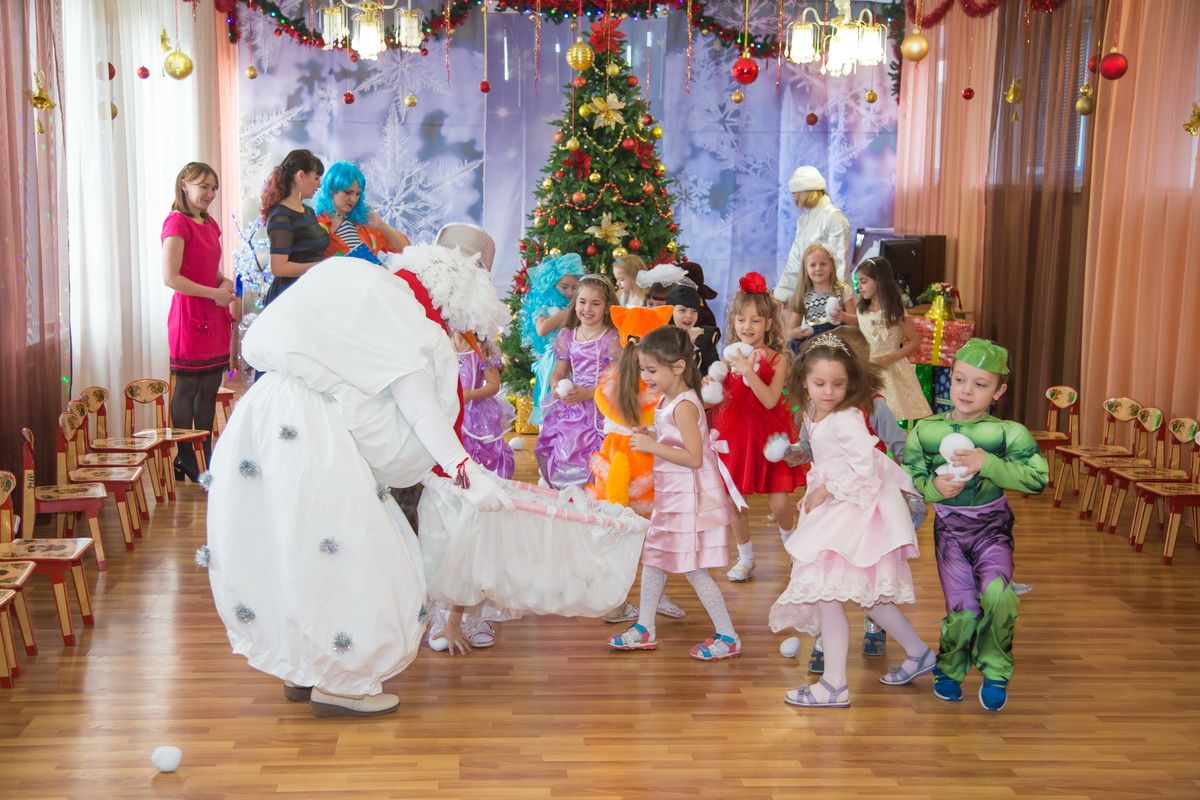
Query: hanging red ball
628, 143
1093, 63
968, 93
672, 227
745, 70
578, 198
559, 174
485, 87
1113, 65
812, 118
647, 120
648, 188
592, 250
424, 51
279, 31
522, 246
552, 221
112, 71
635, 244
662, 190
143, 73
354, 57
558, 137
632, 80
579, 82
348, 98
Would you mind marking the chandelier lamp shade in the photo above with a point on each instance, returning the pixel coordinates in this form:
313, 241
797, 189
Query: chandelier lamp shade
408, 30
366, 30
840, 44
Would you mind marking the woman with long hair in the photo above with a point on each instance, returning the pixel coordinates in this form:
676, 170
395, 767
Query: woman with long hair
342, 210
297, 240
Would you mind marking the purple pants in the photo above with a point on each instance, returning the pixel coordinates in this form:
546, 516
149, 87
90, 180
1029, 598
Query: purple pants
974, 546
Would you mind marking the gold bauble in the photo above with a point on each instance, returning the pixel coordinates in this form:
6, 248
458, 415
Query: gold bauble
585, 111
612, 70
547, 183
737, 97
672, 246
112, 110
594, 177
660, 170
871, 97
177, 65
568, 227
580, 55
915, 46
620, 252
656, 132
1085, 105
554, 251
410, 100
251, 72
537, 221
572, 144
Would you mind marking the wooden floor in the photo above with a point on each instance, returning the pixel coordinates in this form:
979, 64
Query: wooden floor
1104, 703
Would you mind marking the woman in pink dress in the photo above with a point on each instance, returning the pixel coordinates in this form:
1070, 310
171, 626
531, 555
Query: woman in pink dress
689, 523
199, 323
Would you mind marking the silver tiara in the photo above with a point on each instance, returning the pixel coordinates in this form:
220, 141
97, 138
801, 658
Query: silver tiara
830, 340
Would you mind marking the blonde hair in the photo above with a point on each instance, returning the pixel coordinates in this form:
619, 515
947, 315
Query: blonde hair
192, 171
629, 266
765, 307
809, 198
804, 284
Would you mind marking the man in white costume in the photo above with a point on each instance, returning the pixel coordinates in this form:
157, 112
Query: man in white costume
314, 570
471, 239
820, 222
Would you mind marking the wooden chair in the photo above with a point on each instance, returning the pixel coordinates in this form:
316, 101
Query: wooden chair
13, 576
225, 398
1148, 429
1173, 470
1178, 497
80, 454
1059, 398
1117, 410
153, 391
9, 669
51, 557
121, 482
69, 499
101, 444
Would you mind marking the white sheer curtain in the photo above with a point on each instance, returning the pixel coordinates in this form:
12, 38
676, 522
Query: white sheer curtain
121, 174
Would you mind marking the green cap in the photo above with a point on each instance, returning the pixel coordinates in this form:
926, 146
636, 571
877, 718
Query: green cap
984, 354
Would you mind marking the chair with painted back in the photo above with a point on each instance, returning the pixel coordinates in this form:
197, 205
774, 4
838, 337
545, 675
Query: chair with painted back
152, 392
14, 574
1058, 399
66, 501
52, 557
1180, 433
1178, 498
120, 482
1117, 411
96, 398
83, 456
1149, 450
221, 413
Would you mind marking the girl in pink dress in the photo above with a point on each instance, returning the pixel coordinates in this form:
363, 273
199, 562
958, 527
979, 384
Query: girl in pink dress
855, 533
689, 523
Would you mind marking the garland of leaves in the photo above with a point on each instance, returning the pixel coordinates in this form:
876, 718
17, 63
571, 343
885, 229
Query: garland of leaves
972, 8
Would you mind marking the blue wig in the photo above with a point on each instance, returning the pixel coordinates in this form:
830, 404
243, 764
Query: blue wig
543, 298
340, 176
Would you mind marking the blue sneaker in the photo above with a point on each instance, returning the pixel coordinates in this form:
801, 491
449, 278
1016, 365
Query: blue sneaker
993, 694
945, 687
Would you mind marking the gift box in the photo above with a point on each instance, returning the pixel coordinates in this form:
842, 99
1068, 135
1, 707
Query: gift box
935, 383
940, 339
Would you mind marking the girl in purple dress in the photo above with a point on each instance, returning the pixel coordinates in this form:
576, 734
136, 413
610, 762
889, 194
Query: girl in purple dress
573, 428
486, 415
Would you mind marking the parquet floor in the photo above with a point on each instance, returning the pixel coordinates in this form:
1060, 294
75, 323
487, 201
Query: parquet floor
1104, 702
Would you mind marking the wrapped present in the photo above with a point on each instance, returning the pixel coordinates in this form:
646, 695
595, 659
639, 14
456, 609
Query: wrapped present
940, 339
523, 404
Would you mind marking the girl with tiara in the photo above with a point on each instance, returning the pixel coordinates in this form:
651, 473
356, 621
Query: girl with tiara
543, 311
486, 415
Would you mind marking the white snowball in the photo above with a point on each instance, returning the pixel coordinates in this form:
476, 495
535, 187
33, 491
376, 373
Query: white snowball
739, 349
516, 443
712, 393
832, 305
952, 442
166, 758
718, 371
789, 647
564, 387
776, 447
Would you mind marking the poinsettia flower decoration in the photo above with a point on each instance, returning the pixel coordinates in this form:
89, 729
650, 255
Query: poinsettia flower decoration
605, 37
607, 230
606, 111
753, 283
580, 162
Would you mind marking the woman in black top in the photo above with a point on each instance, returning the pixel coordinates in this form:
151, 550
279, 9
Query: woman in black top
297, 240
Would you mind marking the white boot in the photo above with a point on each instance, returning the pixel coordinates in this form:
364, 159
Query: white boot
324, 704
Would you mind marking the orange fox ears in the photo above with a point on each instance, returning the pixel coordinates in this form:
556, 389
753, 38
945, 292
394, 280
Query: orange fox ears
640, 321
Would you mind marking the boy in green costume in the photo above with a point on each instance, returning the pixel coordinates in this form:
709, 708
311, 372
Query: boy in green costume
972, 529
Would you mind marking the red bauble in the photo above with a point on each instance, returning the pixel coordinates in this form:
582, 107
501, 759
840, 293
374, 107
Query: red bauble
354, 57
558, 137
647, 120
552, 221
143, 73
559, 173
348, 98
485, 87
592, 250
745, 70
424, 51
647, 188
628, 143
578, 197
1113, 65
523, 247
812, 118
1092, 63
968, 93
579, 81
672, 227
112, 71
662, 190
632, 80
279, 31
635, 244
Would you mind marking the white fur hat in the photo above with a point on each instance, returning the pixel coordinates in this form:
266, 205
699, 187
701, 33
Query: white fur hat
806, 179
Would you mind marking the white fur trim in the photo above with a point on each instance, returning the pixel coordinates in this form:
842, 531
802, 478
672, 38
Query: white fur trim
712, 393
806, 179
662, 274
459, 289
718, 371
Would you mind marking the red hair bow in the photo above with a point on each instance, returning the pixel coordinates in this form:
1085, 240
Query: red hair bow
753, 283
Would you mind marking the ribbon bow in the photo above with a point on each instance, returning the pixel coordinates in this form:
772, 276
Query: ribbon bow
720, 446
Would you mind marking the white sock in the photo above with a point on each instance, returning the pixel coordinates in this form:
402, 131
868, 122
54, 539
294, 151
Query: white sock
654, 580
746, 553
713, 601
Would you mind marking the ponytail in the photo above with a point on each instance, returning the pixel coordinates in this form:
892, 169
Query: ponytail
628, 391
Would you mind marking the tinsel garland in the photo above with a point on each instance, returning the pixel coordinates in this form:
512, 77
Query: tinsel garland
972, 8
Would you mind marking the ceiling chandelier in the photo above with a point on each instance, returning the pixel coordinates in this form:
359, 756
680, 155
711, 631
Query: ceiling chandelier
840, 44
366, 31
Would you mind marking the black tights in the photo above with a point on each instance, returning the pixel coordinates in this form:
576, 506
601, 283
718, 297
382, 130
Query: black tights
194, 405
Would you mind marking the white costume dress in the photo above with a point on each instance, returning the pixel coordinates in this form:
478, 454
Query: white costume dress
824, 224
314, 569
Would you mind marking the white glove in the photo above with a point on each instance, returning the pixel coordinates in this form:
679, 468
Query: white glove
484, 492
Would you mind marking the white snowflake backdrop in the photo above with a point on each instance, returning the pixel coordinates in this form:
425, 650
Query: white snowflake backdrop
462, 155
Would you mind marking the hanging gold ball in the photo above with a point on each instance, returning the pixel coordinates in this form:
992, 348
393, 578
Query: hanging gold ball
1085, 105
410, 100
871, 97
537, 221
547, 183
594, 177
656, 132
554, 251
737, 97
572, 144
585, 111
915, 46
620, 252
660, 170
251, 72
177, 65
672, 246
580, 55
612, 70
568, 227
112, 110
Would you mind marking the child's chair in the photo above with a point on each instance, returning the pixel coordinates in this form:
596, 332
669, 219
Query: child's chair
153, 391
1148, 429
9, 669
121, 482
54, 557
68, 499
96, 398
1117, 410
1178, 497
1173, 470
80, 454
13, 577
225, 398
1059, 398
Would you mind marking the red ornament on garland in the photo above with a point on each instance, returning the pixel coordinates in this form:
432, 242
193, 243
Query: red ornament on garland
558, 137
424, 51
812, 118
143, 73
348, 98
628, 143
485, 87
279, 31
112, 71
647, 120
647, 188
578, 198
1093, 62
635, 244
632, 80
745, 70
523, 245
968, 93
579, 82
591, 250
1113, 65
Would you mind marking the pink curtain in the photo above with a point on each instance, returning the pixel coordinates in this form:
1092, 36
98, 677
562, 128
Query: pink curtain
942, 144
225, 55
34, 314
1140, 322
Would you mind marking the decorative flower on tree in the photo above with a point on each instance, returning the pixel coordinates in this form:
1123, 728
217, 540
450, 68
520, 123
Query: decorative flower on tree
607, 111
580, 162
605, 37
611, 232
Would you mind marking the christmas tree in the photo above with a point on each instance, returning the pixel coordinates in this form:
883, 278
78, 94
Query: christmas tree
604, 193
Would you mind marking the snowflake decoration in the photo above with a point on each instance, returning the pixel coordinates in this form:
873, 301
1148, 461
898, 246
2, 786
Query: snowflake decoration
286, 432
693, 191
249, 469
329, 545
205, 480
244, 613
203, 555
382, 491
342, 642
422, 615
